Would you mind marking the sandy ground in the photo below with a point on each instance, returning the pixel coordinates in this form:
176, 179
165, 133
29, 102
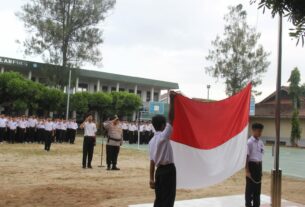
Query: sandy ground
31, 177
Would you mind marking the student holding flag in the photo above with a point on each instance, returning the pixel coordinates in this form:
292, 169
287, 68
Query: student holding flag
162, 167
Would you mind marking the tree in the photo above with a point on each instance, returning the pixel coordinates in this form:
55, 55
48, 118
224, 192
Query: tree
294, 87
124, 104
295, 128
236, 57
79, 103
293, 9
65, 32
51, 99
295, 93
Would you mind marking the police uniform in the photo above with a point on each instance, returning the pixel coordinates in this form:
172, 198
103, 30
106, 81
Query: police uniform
161, 153
89, 142
253, 183
115, 140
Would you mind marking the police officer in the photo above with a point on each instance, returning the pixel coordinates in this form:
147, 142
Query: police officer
89, 140
115, 140
254, 166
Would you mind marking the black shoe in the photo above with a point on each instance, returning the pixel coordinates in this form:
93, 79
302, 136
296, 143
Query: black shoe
89, 166
108, 167
115, 168
84, 167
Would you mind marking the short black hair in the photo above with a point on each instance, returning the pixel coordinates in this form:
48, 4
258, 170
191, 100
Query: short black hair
256, 126
158, 121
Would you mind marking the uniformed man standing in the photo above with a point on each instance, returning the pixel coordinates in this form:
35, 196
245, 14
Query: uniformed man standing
49, 130
3, 123
72, 126
12, 126
89, 140
162, 167
22, 125
254, 166
115, 140
32, 122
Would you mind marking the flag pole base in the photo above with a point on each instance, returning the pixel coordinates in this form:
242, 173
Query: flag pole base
276, 187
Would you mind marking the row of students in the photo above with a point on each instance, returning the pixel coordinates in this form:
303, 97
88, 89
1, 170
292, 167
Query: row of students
31, 129
131, 130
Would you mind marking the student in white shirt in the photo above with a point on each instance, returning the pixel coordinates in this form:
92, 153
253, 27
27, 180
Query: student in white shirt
49, 131
12, 126
254, 166
22, 125
89, 141
3, 125
162, 167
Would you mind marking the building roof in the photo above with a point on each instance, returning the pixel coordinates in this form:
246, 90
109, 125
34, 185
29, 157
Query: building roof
30, 65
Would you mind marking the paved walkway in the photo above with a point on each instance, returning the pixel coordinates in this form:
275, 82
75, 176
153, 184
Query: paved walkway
227, 201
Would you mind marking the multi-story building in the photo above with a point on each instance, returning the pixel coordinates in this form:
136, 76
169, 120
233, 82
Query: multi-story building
92, 80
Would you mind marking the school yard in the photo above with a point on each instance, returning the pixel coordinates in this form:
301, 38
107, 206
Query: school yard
31, 177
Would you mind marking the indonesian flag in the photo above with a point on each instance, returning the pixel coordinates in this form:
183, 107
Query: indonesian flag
209, 140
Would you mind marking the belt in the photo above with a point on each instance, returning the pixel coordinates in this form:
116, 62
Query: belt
256, 162
166, 165
113, 139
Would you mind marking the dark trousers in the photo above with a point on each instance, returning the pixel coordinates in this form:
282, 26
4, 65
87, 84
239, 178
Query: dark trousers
12, 136
165, 186
72, 134
253, 186
48, 140
112, 153
2, 134
88, 148
21, 135
131, 137
31, 134
125, 135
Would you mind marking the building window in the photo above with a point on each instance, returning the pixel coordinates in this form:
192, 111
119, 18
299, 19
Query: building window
131, 91
95, 88
82, 87
105, 88
139, 93
156, 96
148, 93
113, 89
122, 89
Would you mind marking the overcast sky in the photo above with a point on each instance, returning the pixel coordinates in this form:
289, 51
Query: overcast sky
168, 40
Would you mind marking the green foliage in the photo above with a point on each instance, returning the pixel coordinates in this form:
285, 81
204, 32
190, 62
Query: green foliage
124, 104
79, 103
65, 32
236, 56
293, 9
295, 128
19, 106
294, 87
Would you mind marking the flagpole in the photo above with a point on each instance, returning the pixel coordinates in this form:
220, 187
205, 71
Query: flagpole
276, 172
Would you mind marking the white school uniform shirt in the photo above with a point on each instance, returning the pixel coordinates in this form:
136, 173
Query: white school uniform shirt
32, 122
22, 124
90, 129
142, 129
63, 126
255, 149
131, 127
124, 126
160, 149
49, 126
40, 125
12, 125
74, 125
3, 122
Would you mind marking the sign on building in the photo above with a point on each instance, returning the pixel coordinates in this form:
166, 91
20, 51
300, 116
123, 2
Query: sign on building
252, 106
156, 108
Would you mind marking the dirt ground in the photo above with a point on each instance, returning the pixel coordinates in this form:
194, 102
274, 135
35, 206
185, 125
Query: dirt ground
31, 177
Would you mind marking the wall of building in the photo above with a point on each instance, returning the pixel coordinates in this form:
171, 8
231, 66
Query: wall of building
269, 130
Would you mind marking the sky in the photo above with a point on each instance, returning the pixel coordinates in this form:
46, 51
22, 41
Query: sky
168, 40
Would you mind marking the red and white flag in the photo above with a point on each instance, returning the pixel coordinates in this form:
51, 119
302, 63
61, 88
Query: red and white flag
210, 139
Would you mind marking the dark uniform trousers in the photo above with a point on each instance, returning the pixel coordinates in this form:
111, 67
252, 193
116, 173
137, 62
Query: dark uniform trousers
130, 137
31, 135
71, 135
253, 186
88, 148
165, 186
21, 135
112, 153
2, 134
125, 135
48, 140
12, 136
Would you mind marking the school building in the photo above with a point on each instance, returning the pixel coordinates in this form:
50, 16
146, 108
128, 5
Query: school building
265, 113
90, 80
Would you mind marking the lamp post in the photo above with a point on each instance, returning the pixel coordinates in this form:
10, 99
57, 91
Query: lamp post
208, 87
68, 96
